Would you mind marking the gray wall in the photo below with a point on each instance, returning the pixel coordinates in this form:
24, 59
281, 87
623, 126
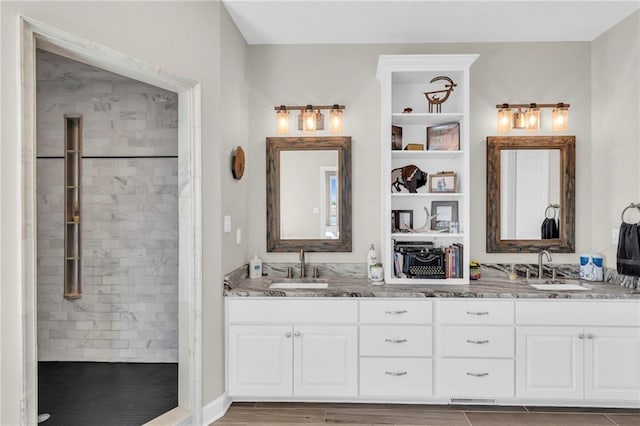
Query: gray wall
345, 74
129, 305
615, 151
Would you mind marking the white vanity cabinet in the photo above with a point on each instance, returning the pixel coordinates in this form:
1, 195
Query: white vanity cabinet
578, 350
282, 348
476, 349
396, 348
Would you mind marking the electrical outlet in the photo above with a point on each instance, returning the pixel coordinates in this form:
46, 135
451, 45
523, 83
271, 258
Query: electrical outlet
614, 235
238, 236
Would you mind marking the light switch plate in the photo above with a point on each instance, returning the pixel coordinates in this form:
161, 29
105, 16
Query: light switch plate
614, 235
238, 235
227, 224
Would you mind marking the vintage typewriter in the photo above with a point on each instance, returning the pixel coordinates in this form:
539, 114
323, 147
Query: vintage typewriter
421, 259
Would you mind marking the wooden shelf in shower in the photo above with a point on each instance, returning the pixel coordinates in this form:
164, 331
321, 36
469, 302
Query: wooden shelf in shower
72, 206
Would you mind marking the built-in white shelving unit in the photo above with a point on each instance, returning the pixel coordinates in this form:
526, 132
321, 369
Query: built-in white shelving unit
404, 79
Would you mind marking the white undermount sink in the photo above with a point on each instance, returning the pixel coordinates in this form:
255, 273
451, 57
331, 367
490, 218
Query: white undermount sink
556, 285
299, 285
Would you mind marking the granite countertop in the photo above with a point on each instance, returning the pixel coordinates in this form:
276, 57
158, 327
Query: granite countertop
489, 287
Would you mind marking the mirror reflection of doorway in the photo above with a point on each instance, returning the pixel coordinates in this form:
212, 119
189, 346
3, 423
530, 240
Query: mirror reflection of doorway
329, 202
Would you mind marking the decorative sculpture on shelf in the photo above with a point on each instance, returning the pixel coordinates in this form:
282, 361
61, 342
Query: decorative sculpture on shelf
434, 96
408, 177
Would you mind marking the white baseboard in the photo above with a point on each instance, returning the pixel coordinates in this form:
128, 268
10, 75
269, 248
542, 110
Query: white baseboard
215, 409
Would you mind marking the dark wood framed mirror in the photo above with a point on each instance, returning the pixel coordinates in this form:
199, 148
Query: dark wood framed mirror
309, 194
530, 194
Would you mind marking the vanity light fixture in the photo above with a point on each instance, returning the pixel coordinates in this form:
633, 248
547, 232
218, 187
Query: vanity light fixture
532, 118
560, 118
505, 118
282, 120
310, 118
527, 116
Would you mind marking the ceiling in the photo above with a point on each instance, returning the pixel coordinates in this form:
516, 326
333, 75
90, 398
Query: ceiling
424, 21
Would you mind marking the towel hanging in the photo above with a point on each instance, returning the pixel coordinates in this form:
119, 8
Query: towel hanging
550, 229
628, 255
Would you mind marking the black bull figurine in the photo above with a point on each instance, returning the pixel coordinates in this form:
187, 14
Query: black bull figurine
409, 177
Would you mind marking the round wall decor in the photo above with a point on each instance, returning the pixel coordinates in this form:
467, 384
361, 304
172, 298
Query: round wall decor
237, 163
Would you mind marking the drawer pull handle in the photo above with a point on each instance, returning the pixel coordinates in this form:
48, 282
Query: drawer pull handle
477, 313
477, 342
395, 373
477, 374
403, 311
395, 340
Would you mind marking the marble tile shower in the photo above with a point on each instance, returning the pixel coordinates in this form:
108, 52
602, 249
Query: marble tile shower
128, 309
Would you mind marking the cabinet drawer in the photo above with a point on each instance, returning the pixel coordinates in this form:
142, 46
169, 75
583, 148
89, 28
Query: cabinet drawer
269, 311
480, 342
597, 313
479, 378
395, 340
471, 312
410, 377
395, 311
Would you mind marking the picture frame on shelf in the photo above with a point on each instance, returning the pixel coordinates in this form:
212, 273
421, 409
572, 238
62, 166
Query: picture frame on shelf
396, 138
443, 213
443, 182
444, 137
401, 220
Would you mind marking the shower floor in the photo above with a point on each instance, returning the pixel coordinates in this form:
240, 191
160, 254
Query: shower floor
97, 393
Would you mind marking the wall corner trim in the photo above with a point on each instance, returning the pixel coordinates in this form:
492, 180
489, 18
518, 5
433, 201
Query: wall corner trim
215, 409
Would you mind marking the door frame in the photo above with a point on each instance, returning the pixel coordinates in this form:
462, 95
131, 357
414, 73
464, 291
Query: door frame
34, 34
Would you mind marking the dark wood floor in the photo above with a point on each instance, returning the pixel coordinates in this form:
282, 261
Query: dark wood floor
263, 413
95, 393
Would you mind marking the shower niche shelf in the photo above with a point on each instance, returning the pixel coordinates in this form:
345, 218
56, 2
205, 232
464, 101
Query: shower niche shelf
72, 204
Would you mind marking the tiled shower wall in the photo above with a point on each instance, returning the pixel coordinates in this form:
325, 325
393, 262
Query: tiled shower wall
129, 305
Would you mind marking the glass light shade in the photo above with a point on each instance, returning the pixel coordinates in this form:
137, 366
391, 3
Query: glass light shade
560, 119
532, 119
309, 120
336, 121
519, 121
282, 122
505, 118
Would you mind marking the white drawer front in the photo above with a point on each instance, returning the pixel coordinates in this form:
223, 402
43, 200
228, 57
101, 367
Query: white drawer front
395, 340
477, 378
396, 311
582, 313
269, 311
476, 312
479, 342
408, 377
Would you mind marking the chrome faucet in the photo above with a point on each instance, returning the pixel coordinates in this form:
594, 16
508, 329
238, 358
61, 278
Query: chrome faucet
540, 254
301, 263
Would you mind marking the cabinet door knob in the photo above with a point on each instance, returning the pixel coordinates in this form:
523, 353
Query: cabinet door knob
590, 336
395, 373
287, 334
395, 340
477, 342
477, 313
477, 374
580, 336
297, 334
403, 311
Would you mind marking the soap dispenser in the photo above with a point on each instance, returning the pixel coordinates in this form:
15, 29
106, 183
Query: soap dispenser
255, 267
372, 260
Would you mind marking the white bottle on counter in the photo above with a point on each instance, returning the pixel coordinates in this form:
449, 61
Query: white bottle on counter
255, 267
372, 259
